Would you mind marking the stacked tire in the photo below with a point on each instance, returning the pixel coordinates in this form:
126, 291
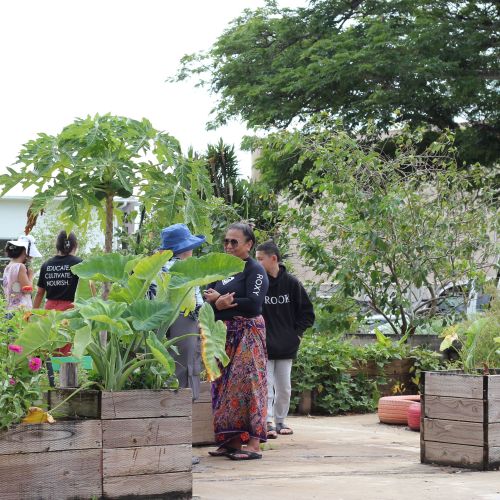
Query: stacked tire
394, 409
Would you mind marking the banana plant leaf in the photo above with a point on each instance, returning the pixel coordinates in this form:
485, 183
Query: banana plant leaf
213, 342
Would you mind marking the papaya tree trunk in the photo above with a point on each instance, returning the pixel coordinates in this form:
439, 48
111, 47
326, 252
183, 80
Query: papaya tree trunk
108, 248
108, 237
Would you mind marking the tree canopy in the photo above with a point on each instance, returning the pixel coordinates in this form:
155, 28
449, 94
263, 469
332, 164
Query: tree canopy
422, 62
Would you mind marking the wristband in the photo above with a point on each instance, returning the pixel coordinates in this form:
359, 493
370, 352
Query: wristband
27, 288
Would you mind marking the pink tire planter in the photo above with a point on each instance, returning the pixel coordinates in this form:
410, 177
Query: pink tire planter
414, 411
394, 409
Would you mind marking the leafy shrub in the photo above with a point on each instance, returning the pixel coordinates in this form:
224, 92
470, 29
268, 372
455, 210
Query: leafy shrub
21, 378
477, 341
327, 366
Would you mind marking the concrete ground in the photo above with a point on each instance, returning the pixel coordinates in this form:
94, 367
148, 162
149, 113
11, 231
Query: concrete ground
340, 458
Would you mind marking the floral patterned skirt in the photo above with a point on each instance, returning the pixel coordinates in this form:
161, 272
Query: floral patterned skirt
239, 395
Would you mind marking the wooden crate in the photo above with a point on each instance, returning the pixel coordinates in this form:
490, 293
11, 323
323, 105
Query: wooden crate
203, 421
51, 461
460, 423
146, 444
138, 447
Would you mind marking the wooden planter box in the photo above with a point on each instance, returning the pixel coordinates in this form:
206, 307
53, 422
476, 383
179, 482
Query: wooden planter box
460, 423
203, 420
140, 447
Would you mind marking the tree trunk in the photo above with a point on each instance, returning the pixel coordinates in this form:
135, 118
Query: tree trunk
108, 236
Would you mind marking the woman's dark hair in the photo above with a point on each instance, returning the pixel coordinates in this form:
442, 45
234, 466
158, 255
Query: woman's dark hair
269, 248
246, 229
13, 251
66, 244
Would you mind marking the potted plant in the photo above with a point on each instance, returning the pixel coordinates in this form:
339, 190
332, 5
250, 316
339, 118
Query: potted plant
461, 408
139, 441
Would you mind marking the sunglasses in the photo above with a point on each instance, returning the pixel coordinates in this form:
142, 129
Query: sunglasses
232, 243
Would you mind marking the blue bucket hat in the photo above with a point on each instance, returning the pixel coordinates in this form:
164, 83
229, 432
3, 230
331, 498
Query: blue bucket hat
179, 239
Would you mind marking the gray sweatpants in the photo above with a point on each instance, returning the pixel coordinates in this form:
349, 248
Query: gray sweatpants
279, 389
188, 362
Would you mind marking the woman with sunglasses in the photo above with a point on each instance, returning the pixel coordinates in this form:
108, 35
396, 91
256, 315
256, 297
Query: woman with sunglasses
239, 395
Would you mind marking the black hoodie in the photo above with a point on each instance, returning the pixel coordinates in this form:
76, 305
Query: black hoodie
287, 311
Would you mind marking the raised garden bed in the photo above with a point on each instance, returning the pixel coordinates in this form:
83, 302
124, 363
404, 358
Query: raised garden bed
139, 446
203, 421
460, 423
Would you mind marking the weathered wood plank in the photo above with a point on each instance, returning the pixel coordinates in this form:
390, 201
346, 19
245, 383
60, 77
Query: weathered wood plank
456, 385
57, 475
38, 438
454, 454
146, 404
146, 460
462, 409
84, 404
205, 393
494, 434
494, 387
451, 431
494, 456
494, 410
125, 433
175, 485
203, 424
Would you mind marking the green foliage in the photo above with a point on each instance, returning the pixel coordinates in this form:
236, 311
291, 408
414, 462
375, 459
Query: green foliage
477, 340
391, 228
21, 383
332, 370
135, 325
213, 344
421, 62
94, 160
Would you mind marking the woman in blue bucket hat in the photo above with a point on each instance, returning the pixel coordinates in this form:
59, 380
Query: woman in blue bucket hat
181, 242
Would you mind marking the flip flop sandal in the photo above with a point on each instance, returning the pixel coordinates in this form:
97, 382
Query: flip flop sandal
222, 451
244, 455
271, 431
282, 427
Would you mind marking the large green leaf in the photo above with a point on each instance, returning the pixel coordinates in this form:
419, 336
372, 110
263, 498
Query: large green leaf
109, 267
83, 291
151, 314
83, 337
160, 353
41, 334
203, 270
107, 313
148, 267
213, 342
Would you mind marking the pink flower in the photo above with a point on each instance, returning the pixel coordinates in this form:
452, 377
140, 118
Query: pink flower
12, 381
15, 348
35, 364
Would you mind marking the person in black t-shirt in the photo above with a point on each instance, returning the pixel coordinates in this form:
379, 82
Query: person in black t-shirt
56, 279
239, 395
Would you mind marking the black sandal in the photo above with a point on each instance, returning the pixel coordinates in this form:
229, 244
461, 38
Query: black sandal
271, 431
281, 427
222, 451
244, 455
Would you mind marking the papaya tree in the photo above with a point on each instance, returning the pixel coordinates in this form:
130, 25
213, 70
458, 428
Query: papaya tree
94, 160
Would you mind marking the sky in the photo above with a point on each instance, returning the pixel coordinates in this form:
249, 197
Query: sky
62, 59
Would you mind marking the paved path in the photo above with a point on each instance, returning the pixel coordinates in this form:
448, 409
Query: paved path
340, 458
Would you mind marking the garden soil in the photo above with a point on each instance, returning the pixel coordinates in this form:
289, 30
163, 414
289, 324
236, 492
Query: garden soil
340, 458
